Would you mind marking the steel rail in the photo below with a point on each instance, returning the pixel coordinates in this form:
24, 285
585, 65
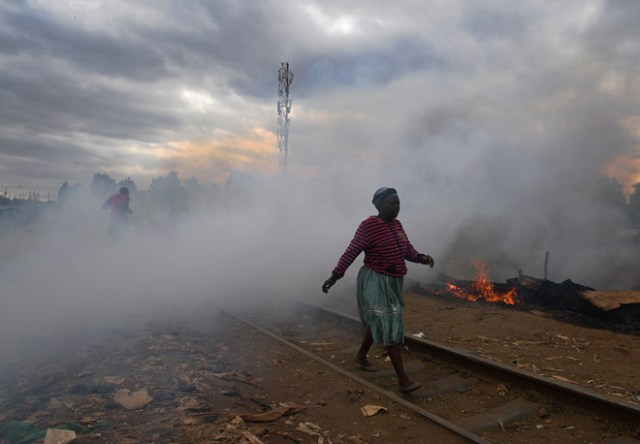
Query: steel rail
465, 354
386, 393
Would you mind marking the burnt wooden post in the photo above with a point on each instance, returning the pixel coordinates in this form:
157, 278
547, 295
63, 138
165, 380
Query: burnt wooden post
546, 265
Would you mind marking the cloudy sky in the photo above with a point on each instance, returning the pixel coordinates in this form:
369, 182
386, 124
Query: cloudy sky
137, 88
494, 119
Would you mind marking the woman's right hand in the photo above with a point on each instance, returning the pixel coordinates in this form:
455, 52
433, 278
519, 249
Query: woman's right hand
328, 284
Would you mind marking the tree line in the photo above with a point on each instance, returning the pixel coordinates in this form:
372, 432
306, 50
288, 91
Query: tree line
167, 198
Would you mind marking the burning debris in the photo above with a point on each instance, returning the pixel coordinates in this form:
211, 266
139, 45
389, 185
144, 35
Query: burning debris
617, 310
479, 289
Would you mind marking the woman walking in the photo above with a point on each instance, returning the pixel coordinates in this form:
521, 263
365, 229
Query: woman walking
379, 288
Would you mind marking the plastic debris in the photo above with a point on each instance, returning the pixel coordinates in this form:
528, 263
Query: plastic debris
311, 429
59, 436
370, 410
132, 401
117, 380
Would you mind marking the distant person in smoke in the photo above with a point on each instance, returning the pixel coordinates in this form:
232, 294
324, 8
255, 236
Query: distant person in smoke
379, 287
119, 205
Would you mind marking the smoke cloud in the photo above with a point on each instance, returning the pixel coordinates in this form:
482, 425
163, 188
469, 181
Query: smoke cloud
494, 122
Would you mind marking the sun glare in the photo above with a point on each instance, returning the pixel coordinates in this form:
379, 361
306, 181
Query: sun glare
341, 25
218, 158
626, 169
198, 100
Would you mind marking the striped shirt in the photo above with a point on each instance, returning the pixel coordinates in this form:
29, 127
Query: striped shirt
119, 204
385, 247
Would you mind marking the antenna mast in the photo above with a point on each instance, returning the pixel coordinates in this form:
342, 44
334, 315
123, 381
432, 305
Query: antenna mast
285, 77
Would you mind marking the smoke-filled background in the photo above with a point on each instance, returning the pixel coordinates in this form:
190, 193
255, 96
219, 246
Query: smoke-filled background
509, 129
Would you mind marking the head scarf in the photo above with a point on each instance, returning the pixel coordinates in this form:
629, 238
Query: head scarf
381, 193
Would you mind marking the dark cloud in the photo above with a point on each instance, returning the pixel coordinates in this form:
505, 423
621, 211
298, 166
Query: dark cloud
36, 33
368, 66
507, 22
52, 102
47, 150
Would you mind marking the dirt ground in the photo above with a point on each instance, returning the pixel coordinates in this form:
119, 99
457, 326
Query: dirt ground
202, 378
534, 340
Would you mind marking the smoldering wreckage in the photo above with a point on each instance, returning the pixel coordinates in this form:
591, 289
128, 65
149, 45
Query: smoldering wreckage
572, 302
89, 401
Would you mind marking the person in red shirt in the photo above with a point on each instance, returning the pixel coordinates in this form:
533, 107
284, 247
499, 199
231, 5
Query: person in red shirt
379, 288
119, 205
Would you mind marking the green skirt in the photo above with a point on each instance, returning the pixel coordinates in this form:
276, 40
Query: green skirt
380, 306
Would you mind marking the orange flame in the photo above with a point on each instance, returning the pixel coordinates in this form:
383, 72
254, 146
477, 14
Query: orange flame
482, 288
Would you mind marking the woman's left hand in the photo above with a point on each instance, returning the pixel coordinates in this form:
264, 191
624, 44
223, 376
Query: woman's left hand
427, 260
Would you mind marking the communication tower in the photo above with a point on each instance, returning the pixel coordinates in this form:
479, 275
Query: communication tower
285, 77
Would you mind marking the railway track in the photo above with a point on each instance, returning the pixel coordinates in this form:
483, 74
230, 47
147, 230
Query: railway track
480, 400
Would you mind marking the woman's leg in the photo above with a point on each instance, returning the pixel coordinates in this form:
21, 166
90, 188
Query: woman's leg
367, 342
395, 354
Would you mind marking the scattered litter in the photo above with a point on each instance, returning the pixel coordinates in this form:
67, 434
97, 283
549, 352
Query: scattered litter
59, 436
539, 426
420, 335
90, 420
234, 424
189, 403
562, 378
311, 429
132, 401
117, 380
253, 439
370, 410
272, 415
502, 389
